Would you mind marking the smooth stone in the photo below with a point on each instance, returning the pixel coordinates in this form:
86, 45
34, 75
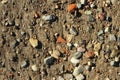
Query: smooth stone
100, 33
97, 46
34, 68
78, 70
68, 76
49, 17
78, 55
88, 12
74, 60
55, 54
24, 64
112, 37
107, 29
81, 49
92, 5
83, 2
33, 42
73, 31
80, 77
117, 59
112, 63
60, 78
49, 60
79, 5
4, 1
91, 18
69, 37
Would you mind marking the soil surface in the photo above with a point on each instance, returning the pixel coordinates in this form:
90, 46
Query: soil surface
22, 20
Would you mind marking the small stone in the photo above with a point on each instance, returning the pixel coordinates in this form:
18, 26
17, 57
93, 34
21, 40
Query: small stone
81, 49
101, 16
91, 18
71, 7
49, 18
69, 37
22, 33
74, 60
88, 12
87, 67
69, 46
97, 47
60, 40
117, 59
11, 22
49, 60
73, 31
80, 77
79, 5
89, 54
107, 29
78, 55
83, 2
76, 45
13, 44
109, 19
68, 76
55, 54
60, 78
112, 63
34, 68
24, 64
78, 70
33, 42
114, 53
100, 33
112, 37
4, 1
92, 5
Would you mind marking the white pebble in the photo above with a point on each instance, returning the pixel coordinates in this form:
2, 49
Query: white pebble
34, 68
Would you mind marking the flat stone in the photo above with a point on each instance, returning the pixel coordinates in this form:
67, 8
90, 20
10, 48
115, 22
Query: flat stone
49, 18
88, 12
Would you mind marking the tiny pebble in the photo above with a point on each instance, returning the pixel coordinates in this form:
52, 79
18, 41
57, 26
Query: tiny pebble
74, 60
88, 12
83, 2
49, 18
80, 77
4, 1
73, 31
79, 5
112, 37
112, 63
24, 64
78, 55
117, 59
100, 33
34, 68
78, 70
33, 42
91, 18
49, 60
92, 5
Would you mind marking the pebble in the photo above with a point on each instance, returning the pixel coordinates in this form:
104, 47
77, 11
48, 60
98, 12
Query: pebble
76, 45
69, 37
33, 42
68, 76
112, 63
79, 5
69, 46
78, 55
34, 68
87, 67
73, 31
114, 53
91, 18
13, 44
89, 54
60, 78
78, 70
83, 2
24, 64
74, 60
4, 1
49, 60
97, 47
117, 59
80, 77
107, 29
49, 18
55, 54
112, 37
100, 33
81, 49
92, 5
88, 12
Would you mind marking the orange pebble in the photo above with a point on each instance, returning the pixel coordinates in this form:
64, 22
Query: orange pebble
60, 40
90, 54
72, 7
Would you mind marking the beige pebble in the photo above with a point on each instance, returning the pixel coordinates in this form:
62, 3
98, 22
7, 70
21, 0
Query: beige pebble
33, 42
97, 46
55, 54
